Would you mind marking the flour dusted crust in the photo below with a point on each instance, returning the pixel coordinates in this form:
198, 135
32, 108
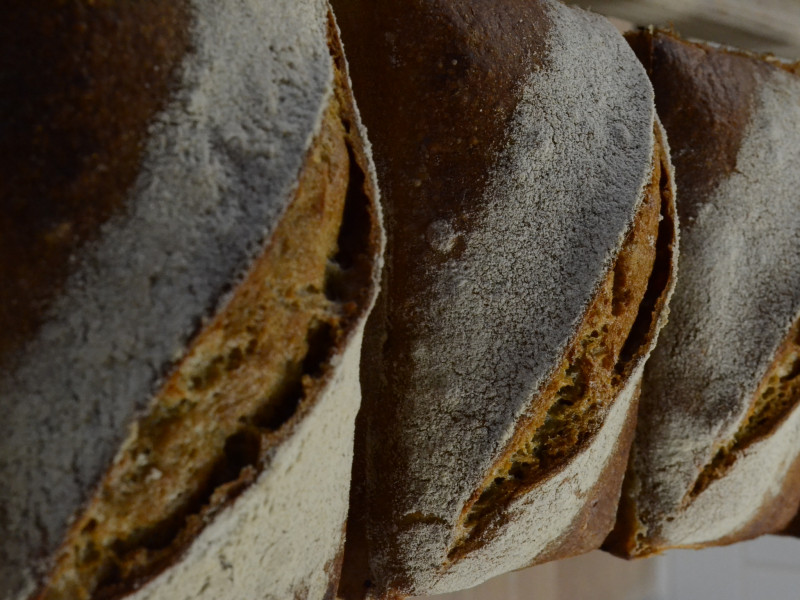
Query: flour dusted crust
244, 114
282, 538
716, 454
515, 143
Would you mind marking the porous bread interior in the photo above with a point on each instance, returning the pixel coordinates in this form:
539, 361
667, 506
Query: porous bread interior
591, 374
259, 363
777, 394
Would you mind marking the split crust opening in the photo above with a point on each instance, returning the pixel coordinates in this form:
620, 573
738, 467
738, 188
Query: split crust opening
705, 126
247, 378
614, 334
776, 397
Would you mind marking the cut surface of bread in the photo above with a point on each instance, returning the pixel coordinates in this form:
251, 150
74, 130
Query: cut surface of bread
715, 459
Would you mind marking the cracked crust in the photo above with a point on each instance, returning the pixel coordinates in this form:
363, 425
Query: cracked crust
486, 288
270, 374
715, 459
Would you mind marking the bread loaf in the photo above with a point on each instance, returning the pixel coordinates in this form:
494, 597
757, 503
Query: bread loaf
190, 244
716, 453
531, 244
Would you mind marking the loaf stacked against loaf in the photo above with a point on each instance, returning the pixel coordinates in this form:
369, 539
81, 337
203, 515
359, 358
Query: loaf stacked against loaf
716, 452
530, 253
190, 245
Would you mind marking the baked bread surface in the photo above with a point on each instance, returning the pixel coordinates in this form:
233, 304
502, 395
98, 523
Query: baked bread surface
715, 457
515, 144
251, 234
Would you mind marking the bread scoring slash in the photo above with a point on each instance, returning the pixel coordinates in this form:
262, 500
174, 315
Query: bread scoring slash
530, 254
180, 355
716, 456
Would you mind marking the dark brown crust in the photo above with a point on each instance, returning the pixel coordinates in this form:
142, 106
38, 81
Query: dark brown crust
333, 568
357, 578
704, 97
792, 483
435, 131
356, 244
79, 84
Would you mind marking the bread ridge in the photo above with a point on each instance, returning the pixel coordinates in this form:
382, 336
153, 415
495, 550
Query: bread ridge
734, 293
216, 169
450, 431
248, 550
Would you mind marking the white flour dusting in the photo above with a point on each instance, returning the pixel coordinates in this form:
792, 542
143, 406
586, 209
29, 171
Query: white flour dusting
560, 200
736, 298
219, 169
279, 538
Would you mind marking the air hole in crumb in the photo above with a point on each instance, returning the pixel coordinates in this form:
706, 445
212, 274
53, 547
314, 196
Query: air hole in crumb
235, 358
90, 526
108, 574
321, 339
793, 372
336, 283
280, 407
346, 277
242, 449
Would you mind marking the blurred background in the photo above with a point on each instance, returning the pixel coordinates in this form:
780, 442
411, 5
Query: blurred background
764, 569
757, 25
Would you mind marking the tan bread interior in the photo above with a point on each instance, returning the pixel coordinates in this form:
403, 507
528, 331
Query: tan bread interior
591, 374
258, 363
777, 395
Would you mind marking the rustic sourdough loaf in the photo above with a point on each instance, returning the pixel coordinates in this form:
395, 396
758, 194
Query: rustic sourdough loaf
189, 245
716, 453
531, 243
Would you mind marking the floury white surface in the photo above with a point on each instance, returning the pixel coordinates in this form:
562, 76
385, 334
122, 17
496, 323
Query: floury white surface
541, 517
218, 172
560, 200
281, 537
736, 298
